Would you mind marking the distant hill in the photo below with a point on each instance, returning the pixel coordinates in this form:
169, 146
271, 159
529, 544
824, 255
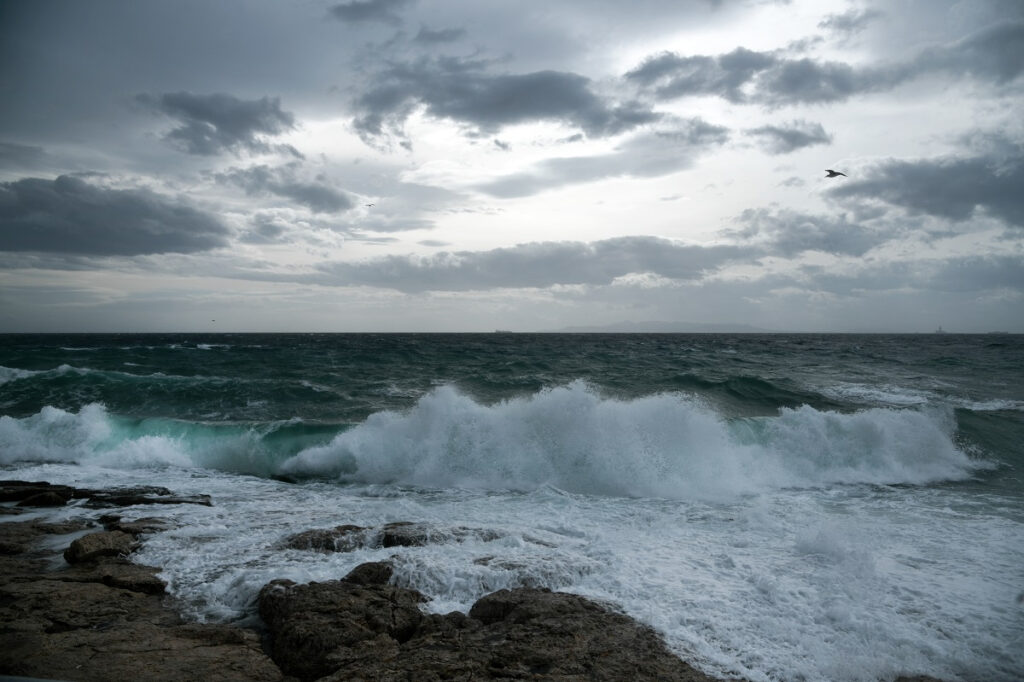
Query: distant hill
628, 327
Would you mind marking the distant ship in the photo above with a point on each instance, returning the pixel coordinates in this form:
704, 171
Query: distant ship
503, 331
940, 330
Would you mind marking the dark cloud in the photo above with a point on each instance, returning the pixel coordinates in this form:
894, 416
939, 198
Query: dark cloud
444, 35
649, 154
671, 75
461, 91
68, 215
281, 181
978, 273
383, 11
953, 188
19, 156
785, 139
265, 230
212, 124
789, 233
850, 22
536, 265
956, 275
995, 54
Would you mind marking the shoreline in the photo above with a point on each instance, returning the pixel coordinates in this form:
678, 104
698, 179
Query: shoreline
73, 606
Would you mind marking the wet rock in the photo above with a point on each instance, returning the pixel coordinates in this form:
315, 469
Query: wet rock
372, 573
47, 498
362, 628
117, 573
35, 492
17, 491
139, 527
102, 544
347, 538
320, 623
127, 497
105, 618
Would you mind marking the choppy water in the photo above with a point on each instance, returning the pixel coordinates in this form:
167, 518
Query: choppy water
780, 507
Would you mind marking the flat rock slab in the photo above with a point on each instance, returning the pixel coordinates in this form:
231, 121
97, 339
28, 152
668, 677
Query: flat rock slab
45, 494
103, 617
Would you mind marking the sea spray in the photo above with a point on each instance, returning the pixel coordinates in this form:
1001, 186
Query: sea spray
666, 445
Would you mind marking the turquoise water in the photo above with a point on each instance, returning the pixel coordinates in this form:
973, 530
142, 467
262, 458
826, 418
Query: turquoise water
829, 507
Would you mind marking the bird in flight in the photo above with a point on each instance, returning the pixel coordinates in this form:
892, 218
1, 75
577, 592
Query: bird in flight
369, 205
832, 173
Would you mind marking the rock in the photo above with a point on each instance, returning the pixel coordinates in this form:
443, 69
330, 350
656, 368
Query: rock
15, 491
338, 539
20, 491
372, 573
47, 498
18, 537
105, 618
144, 526
362, 628
102, 544
314, 622
127, 497
116, 573
347, 537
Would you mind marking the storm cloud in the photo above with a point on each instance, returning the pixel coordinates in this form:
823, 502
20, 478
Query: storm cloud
383, 11
788, 233
783, 139
217, 123
463, 92
535, 265
954, 188
995, 53
69, 216
318, 197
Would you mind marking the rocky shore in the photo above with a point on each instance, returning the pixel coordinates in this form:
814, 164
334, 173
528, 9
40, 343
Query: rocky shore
73, 606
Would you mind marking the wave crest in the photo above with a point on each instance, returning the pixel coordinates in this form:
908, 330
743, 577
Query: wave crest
666, 445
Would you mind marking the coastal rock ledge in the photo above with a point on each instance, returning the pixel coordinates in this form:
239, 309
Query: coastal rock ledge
362, 628
73, 606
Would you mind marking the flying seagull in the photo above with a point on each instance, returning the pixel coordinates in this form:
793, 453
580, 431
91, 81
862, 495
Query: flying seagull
369, 205
832, 173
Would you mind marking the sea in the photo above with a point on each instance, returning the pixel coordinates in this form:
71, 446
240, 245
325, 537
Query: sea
777, 506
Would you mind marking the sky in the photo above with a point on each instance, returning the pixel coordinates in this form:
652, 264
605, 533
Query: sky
537, 165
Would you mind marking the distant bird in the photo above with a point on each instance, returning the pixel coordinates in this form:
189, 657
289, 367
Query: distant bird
832, 173
369, 205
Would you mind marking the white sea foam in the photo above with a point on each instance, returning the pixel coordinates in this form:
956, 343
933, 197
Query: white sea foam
843, 585
14, 374
659, 446
94, 437
571, 438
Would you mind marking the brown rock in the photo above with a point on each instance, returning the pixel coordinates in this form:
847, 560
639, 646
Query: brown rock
105, 619
144, 526
102, 544
361, 628
314, 622
347, 537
